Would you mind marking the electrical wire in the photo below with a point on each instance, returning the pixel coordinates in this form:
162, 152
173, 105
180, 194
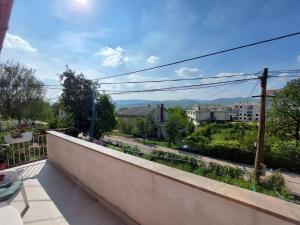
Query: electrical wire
183, 87
181, 79
204, 56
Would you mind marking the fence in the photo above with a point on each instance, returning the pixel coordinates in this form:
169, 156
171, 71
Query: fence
25, 152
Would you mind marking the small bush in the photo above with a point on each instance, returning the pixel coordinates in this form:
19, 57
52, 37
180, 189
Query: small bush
274, 182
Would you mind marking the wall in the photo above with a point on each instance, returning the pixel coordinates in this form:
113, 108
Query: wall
154, 194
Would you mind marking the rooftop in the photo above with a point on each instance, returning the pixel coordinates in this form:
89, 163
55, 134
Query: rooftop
137, 111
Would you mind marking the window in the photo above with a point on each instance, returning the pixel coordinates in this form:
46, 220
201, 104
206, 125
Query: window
244, 118
244, 114
256, 114
240, 107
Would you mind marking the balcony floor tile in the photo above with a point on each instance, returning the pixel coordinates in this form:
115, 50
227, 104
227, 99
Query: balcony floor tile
55, 199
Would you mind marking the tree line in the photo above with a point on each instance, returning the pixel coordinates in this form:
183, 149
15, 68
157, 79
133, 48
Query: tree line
23, 97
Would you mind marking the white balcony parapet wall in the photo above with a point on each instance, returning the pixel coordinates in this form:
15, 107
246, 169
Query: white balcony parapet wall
154, 194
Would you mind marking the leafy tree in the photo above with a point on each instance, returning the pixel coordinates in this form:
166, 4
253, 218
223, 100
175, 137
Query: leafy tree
145, 126
105, 118
173, 128
21, 93
77, 98
126, 127
284, 116
178, 125
77, 101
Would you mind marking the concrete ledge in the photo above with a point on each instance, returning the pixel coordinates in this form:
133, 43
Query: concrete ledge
151, 193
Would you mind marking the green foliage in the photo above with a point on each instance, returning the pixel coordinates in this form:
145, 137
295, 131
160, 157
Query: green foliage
77, 102
145, 126
235, 142
21, 93
132, 151
178, 125
283, 154
275, 181
77, 98
126, 127
105, 118
284, 116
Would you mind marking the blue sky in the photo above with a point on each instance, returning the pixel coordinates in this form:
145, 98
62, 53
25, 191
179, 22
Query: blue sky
106, 37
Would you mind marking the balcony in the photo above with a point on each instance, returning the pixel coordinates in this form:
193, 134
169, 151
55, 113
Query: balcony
82, 183
56, 199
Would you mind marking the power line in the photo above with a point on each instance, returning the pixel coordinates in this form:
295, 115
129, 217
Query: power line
180, 79
293, 72
189, 87
183, 87
203, 56
252, 91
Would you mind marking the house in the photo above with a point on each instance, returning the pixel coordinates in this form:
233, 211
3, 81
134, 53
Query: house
158, 113
208, 113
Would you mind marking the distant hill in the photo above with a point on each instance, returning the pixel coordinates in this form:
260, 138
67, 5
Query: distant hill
185, 103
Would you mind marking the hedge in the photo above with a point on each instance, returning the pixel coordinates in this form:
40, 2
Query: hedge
280, 155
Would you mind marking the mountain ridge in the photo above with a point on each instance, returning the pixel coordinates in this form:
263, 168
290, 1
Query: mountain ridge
185, 103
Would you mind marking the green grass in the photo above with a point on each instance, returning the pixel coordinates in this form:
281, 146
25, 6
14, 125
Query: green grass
118, 133
162, 143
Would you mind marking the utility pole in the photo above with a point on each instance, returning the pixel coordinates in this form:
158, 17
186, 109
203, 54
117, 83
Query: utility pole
93, 112
258, 166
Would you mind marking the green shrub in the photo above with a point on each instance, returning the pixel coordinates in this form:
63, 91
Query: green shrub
284, 154
274, 182
235, 142
131, 150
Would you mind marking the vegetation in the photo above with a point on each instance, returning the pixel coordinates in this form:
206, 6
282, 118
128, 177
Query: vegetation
284, 116
21, 94
145, 126
77, 102
126, 127
77, 99
177, 125
105, 115
235, 142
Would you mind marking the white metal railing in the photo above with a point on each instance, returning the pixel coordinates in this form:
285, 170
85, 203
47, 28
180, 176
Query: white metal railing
24, 152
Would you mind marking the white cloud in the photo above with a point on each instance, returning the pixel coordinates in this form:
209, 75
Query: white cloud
112, 57
186, 72
14, 41
152, 59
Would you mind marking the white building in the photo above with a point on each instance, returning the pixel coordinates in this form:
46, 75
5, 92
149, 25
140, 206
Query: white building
245, 112
208, 113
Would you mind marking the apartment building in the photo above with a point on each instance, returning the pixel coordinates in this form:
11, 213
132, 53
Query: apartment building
245, 112
208, 113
